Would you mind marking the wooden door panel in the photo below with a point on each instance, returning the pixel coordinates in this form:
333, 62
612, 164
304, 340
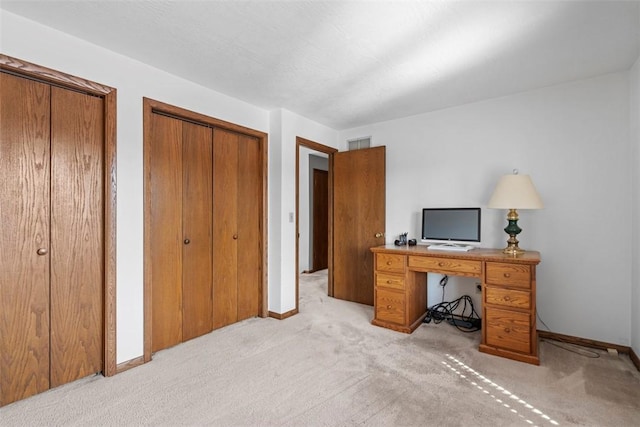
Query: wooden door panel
358, 215
345, 231
225, 227
24, 209
165, 183
249, 229
320, 219
77, 289
197, 228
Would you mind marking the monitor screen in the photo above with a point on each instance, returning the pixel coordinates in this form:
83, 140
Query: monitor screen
451, 225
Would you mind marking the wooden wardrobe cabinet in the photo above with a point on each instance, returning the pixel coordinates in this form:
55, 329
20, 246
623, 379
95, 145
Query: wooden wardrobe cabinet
51, 238
205, 189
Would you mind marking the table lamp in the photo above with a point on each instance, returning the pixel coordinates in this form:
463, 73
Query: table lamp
514, 192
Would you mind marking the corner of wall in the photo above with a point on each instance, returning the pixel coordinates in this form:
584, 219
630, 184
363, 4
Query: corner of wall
292, 127
634, 136
275, 209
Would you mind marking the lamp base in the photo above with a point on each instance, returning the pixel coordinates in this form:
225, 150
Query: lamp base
512, 230
512, 249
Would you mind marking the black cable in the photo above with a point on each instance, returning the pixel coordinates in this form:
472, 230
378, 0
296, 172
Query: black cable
443, 283
446, 311
572, 347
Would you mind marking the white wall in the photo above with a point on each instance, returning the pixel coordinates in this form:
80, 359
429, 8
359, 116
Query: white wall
573, 140
635, 235
274, 261
292, 126
41, 45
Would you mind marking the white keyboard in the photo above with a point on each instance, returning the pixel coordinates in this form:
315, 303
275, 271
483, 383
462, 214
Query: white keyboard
456, 248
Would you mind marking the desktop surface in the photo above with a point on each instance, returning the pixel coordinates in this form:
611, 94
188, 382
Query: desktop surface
475, 253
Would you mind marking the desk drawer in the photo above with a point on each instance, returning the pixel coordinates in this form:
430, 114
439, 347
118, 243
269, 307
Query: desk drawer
507, 297
390, 262
461, 267
501, 273
390, 306
508, 329
390, 281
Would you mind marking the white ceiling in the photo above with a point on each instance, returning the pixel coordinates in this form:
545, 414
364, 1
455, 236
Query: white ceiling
349, 63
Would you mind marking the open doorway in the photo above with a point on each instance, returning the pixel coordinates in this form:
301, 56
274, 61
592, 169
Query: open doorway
318, 215
313, 211
313, 206
356, 204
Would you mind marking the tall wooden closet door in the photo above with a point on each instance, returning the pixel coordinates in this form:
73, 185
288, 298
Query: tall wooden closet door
24, 238
225, 228
180, 230
237, 257
165, 181
51, 304
197, 230
76, 235
249, 226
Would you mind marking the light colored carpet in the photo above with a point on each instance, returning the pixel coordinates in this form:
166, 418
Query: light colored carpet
328, 366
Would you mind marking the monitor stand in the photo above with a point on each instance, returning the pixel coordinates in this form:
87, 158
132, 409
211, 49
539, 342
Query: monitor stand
451, 247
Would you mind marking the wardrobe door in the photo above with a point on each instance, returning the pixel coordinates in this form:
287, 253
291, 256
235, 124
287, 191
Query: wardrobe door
237, 192
24, 237
197, 230
77, 289
165, 181
249, 213
225, 228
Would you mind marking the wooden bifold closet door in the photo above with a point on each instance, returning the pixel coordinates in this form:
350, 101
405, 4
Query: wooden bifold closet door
204, 187
237, 191
51, 239
181, 241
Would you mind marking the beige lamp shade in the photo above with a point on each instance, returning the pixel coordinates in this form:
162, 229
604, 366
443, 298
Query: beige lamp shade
515, 192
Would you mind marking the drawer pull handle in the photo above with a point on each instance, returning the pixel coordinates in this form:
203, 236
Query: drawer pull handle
507, 275
389, 281
507, 330
389, 263
389, 306
441, 264
507, 298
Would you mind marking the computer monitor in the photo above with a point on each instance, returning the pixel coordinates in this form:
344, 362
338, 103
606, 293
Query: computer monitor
451, 226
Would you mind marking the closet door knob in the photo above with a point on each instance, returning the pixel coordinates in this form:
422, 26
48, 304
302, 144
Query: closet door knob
42, 251
187, 241
235, 237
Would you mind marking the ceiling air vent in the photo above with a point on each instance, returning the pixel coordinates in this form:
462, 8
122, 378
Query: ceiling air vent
358, 143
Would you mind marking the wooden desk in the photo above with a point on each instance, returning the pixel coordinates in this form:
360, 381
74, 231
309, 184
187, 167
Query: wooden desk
508, 293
